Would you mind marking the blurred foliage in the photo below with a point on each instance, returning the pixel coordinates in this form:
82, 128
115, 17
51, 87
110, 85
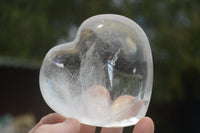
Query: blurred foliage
29, 28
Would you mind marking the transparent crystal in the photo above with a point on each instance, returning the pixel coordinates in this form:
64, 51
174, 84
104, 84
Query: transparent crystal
102, 78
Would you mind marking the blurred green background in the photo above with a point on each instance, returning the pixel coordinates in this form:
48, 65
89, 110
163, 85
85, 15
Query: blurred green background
29, 28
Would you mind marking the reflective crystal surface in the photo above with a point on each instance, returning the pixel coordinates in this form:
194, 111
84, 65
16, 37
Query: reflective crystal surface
102, 78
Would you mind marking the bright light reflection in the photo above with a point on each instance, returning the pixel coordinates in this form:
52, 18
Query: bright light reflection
99, 26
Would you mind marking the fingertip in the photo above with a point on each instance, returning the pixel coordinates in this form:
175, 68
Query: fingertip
87, 129
52, 118
73, 121
112, 130
145, 125
72, 124
148, 120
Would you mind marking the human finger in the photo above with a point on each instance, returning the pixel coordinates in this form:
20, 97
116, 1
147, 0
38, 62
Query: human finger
87, 129
48, 119
145, 125
68, 126
112, 130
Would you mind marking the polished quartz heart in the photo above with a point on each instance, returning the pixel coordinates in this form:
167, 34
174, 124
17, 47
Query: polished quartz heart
102, 78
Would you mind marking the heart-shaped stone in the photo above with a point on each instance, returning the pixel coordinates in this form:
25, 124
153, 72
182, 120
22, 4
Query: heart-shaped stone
104, 77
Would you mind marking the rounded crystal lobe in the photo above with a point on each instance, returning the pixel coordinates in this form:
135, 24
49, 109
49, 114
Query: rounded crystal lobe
102, 78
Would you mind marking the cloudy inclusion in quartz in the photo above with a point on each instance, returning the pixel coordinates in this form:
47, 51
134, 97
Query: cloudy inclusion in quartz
104, 77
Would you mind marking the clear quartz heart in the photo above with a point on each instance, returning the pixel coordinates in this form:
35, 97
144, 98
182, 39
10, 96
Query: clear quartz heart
102, 78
